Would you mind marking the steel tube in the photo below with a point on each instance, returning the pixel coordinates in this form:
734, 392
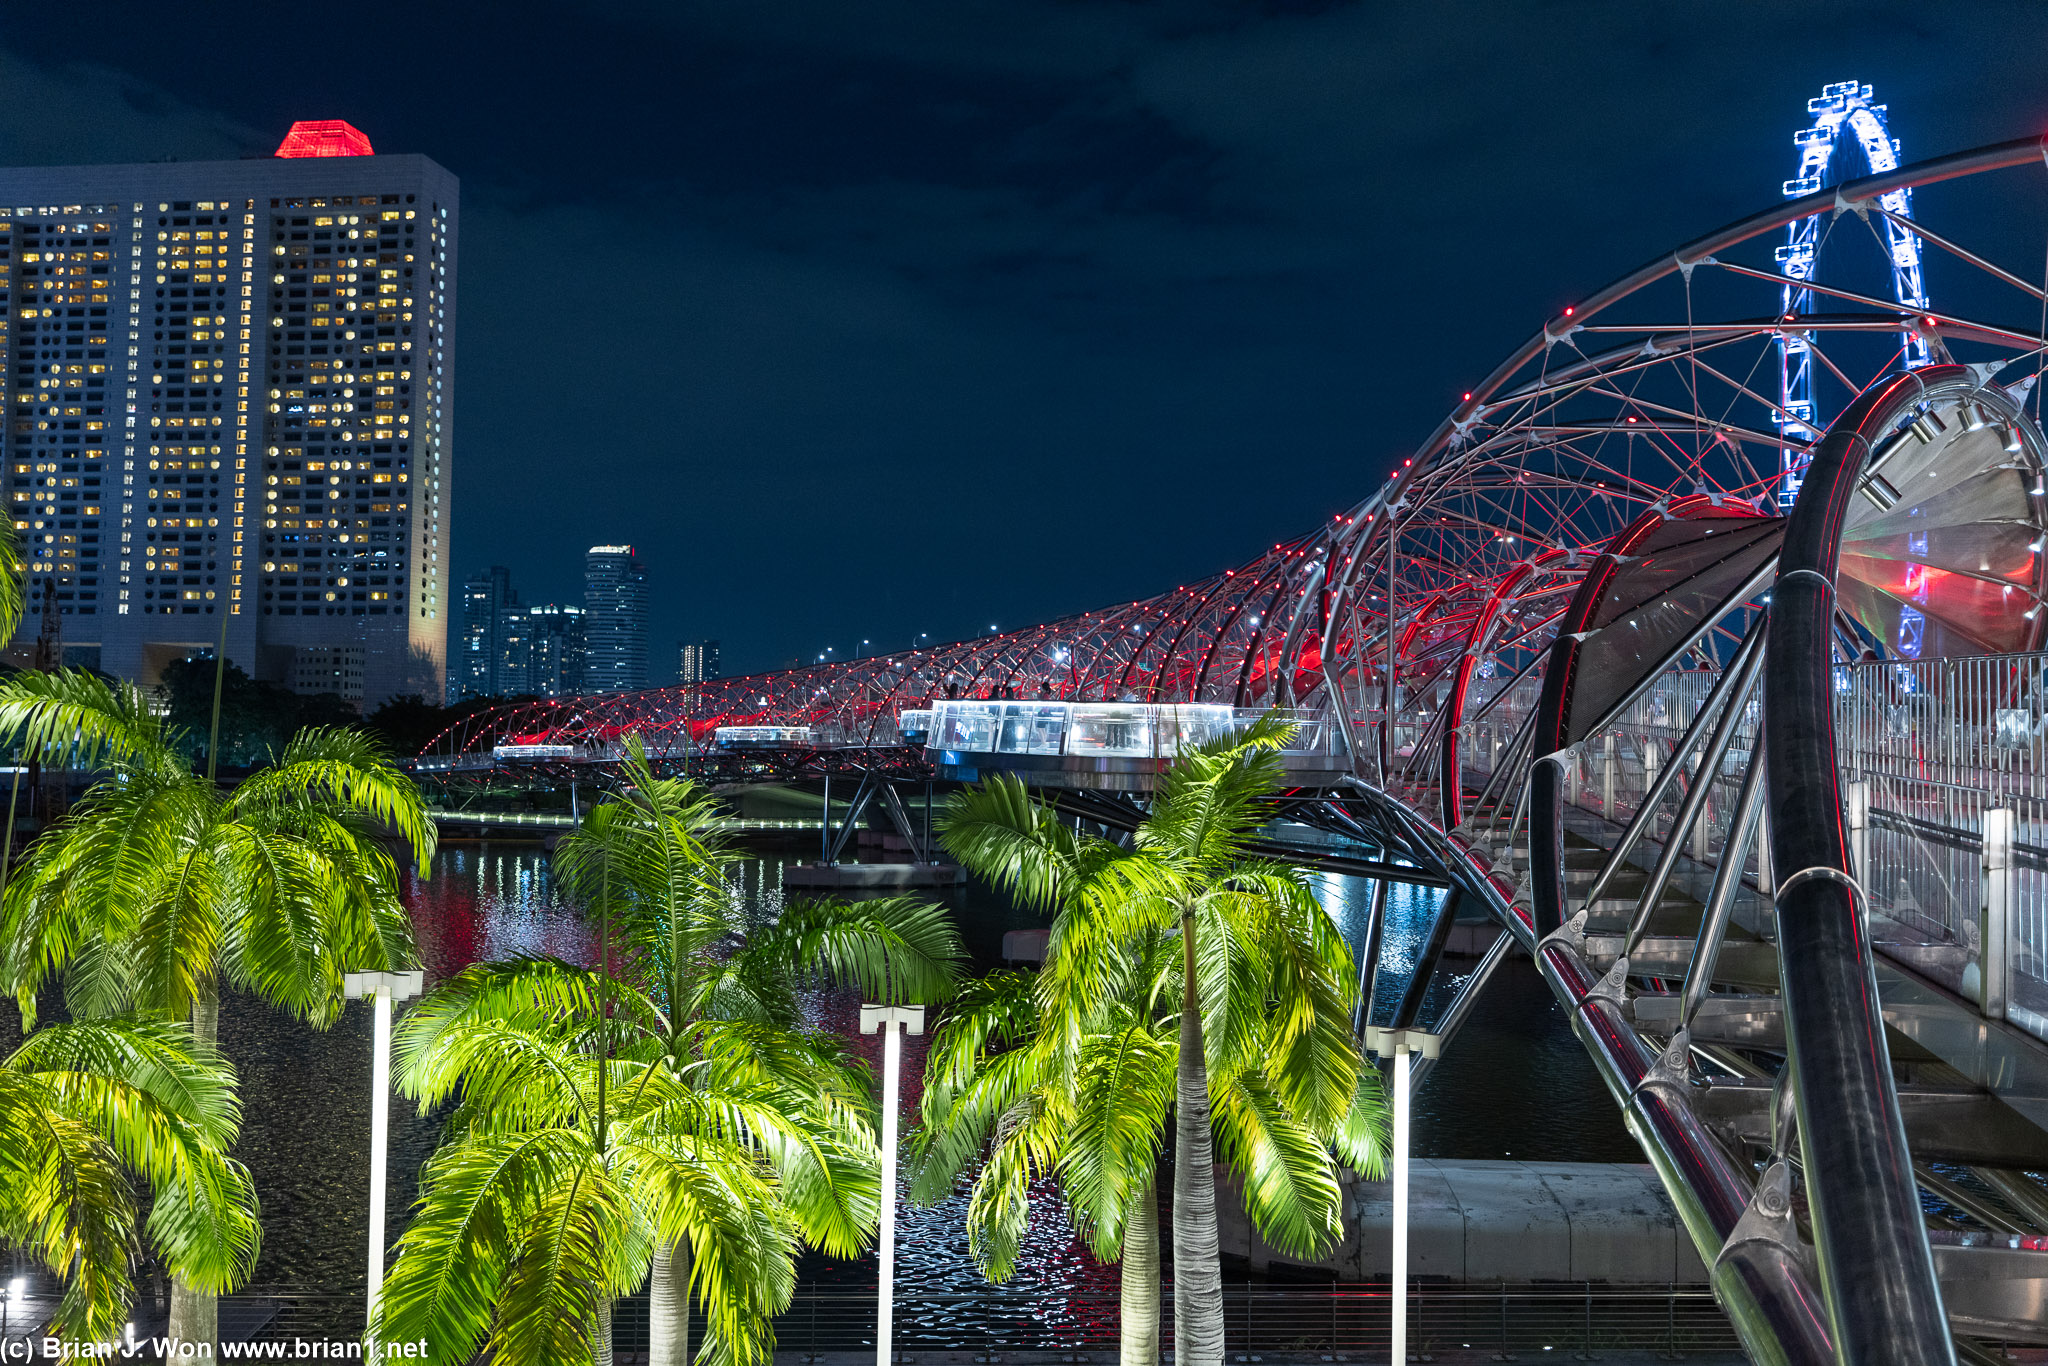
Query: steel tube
1510, 755
1768, 1294
1694, 804
1369, 956
1461, 1004
1546, 846
1884, 1301
1706, 950
1646, 814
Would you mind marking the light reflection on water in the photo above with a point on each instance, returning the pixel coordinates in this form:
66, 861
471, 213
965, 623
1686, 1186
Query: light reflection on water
1515, 1084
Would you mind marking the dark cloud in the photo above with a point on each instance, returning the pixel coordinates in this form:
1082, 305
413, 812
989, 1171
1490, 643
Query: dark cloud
866, 320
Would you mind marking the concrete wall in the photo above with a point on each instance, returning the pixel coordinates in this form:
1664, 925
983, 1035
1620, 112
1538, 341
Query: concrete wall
1503, 1221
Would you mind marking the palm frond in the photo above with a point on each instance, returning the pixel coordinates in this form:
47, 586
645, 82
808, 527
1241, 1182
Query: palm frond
13, 586
584, 1244
1364, 1139
1004, 835
1124, 1087
118, 1096
448, 1031
1290, 1187
1026, 1148
341, 769
476, 1197
73, 718
894, 949
742, 1240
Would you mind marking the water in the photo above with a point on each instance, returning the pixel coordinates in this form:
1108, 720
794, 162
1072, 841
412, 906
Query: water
1516, 1083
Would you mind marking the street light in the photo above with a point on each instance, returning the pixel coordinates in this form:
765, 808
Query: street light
886, 1018
1400, 1044
385, 987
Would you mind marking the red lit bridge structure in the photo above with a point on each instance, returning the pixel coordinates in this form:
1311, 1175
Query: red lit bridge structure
1700, 646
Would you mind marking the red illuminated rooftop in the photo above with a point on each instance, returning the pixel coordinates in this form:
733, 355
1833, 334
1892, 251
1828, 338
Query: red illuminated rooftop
324, 138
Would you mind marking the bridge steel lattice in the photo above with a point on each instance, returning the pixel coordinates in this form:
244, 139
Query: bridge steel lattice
1813, 972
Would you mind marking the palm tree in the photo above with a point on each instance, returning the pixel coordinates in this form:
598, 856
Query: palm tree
83, 1107
580, 1156
1232, 954
672, 1100
1025, 1103
158, 885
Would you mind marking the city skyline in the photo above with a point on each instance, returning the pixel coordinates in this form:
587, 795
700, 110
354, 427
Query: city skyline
230, 388
1129, 248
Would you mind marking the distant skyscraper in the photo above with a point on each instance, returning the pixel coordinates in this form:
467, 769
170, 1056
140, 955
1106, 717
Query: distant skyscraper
515, 652
229, 388
615, 618
696, 661
478, 670
556, 651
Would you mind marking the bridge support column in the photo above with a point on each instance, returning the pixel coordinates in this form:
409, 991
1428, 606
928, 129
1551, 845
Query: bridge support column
875, 790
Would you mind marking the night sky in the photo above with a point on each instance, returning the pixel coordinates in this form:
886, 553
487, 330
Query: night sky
865, 319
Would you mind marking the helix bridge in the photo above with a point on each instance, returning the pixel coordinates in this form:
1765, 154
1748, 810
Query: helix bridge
1701, 646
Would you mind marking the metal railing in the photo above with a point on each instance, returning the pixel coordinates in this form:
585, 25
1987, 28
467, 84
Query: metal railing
1930, 752
1945, 767
1307, 1321
562, 820
1304, 1322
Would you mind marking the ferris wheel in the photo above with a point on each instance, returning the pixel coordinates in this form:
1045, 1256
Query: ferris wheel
1843, 117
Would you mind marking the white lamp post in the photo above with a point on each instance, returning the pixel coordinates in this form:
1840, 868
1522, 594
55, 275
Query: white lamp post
1400, 1045
384, 988
886, 1019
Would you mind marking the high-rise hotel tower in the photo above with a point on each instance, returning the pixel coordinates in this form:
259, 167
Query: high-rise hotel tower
228, 396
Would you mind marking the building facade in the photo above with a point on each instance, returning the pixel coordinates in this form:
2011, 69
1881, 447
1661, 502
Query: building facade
229, 389
696, 661
488, 600
615, 618
557, 651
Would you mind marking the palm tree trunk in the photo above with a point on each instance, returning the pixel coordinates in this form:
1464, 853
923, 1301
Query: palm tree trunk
195, 1315
1140, 1346
668, 1306
601, 1338
1197, 1263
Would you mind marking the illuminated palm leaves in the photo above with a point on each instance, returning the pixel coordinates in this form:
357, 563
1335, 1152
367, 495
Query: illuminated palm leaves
1179, 941
157, 883
88, 1105
544, 1207
670, 1117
